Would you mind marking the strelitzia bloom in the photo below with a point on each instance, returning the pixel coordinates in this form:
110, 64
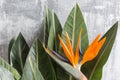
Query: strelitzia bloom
74, 56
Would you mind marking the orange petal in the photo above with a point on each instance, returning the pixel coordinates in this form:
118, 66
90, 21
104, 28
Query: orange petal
93, 44
66, 51
69, 45
96, 39
100, 44
93, 49
76, 58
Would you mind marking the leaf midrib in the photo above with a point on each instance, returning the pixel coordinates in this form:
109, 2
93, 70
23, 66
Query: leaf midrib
20, 55
36, 45
74, 20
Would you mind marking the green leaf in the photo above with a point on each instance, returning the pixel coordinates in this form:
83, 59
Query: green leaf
10, 47
55, 29
31, 71
93, 69
43, 62
5, 74
19, 53
73, 25
61, 73
53, 44
75, 72
10, 68
47, 24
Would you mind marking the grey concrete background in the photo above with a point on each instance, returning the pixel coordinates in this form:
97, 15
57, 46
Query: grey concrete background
26, 16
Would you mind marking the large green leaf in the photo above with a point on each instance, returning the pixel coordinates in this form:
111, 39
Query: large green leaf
55, 29
40, 57
93, 69
47, 24
10, 47
73, 71
53, 44
31, 71
61, 73
10, 68
19, 53
73, 25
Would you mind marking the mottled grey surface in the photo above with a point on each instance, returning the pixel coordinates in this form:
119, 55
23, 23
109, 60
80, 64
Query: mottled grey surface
26, 16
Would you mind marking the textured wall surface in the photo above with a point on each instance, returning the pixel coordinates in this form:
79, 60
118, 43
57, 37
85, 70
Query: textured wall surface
26, 16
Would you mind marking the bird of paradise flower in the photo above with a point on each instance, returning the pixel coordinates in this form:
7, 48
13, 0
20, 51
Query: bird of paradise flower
74, 56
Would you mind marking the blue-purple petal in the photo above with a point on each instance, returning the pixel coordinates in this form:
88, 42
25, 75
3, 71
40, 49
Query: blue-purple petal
80, 52
60, 57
